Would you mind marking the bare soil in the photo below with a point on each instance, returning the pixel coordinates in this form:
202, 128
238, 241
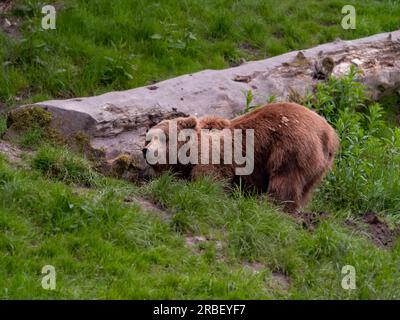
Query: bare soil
10, 25
309, 220
377, 229
12, 152
278, 280
149, 206
6, 6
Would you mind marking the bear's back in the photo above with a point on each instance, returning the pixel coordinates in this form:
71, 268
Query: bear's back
280, 113
292, 128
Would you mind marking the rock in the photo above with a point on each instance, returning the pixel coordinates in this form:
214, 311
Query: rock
116, 122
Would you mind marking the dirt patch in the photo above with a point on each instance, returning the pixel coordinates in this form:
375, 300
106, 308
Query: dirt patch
195, 240
280, 281
192, 241
256, 267
196, 243
10, 25
277, 281
12, 152
149, 206
309, 220
6, 6
376, 229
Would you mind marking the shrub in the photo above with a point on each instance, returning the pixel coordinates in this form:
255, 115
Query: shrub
367, 166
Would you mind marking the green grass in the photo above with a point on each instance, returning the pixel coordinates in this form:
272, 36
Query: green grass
64, 166
55, 209
98, 47
103, 247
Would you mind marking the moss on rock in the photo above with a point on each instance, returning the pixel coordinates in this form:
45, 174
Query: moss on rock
24, 119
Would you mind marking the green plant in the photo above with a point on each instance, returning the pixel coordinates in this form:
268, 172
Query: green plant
31, 138
367, 165
63, 165
3, 124
249, 99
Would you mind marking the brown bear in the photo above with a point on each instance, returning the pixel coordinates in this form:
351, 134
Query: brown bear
292, 149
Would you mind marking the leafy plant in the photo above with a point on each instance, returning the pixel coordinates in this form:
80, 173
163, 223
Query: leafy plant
368, 164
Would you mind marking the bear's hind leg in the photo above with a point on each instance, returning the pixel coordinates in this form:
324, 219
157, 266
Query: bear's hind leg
286, 190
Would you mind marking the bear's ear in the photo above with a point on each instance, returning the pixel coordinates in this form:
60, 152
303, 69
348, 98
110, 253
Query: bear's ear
187, 123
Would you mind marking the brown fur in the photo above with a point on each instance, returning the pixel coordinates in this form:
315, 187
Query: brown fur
294, 149
213, 122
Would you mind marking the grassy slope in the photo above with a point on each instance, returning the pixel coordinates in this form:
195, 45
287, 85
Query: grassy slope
55, 210
102, 45
103, 247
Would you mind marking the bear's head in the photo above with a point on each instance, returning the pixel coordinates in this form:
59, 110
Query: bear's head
162, 144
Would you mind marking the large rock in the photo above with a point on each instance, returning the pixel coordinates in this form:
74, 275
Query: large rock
116, 122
